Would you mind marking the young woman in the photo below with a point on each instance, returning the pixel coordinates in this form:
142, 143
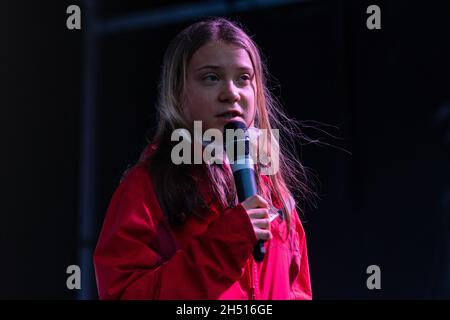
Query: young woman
177, 231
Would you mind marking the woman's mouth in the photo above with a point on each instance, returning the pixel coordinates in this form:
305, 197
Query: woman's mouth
231, 115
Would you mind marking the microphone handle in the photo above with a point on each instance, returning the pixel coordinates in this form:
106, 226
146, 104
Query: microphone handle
246, 187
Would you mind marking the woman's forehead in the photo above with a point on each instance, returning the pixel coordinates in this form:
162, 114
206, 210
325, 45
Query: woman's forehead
220, 55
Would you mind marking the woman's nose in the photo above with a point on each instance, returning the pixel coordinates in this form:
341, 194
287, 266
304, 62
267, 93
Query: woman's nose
229, 93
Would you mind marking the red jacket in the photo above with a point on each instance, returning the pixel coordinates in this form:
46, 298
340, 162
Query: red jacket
139, 256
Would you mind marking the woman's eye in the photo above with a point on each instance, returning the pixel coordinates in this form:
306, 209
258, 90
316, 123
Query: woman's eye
245, 77
211, 77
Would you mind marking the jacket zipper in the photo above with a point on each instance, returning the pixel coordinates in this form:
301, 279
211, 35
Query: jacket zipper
250, 278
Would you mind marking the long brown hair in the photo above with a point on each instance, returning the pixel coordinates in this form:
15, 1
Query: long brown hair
176, 186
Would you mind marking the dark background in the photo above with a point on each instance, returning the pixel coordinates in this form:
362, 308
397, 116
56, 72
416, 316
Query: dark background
77, 105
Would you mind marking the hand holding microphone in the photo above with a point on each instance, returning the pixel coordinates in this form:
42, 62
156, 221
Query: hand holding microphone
258, 210
242, 165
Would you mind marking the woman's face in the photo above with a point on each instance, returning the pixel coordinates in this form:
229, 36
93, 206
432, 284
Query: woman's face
220, 86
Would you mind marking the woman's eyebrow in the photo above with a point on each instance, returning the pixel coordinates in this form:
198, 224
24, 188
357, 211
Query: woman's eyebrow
240, 68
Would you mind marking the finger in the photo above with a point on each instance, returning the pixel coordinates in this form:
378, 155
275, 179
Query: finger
263, 234
262, 224
258, 213
261, 202
255, 201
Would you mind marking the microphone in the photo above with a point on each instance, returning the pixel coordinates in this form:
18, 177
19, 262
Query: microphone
242, 166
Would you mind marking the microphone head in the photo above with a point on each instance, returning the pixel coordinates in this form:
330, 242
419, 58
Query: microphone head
234, 125
237, 145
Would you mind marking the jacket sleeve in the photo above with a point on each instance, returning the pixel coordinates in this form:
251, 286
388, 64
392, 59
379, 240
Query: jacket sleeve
127, 267
299, 269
